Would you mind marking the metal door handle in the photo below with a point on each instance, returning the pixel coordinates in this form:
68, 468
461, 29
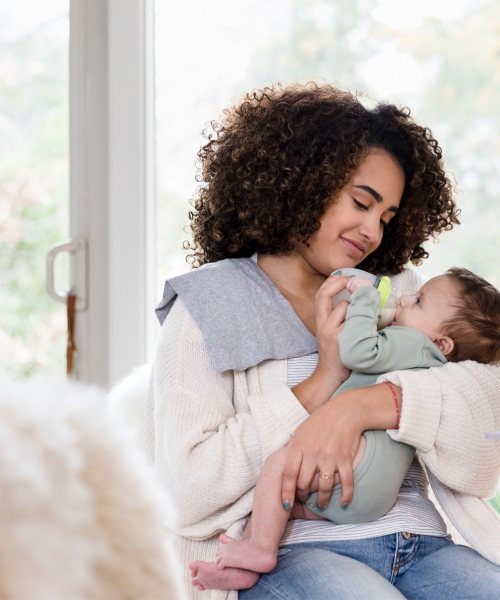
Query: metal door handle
77, 247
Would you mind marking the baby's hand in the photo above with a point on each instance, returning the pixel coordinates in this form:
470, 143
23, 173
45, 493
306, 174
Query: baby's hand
356, 282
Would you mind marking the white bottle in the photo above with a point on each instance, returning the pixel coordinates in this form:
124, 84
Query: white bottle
389, 300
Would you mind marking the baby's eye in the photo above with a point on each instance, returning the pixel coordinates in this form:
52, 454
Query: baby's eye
417, 302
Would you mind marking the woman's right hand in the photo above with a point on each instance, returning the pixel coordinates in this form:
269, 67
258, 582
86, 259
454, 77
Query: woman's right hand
330, 373
330, 323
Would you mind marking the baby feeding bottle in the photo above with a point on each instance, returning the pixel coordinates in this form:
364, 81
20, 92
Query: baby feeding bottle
389, 300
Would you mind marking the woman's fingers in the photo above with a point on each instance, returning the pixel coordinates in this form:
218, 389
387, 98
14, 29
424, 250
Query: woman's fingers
330, 288
325, 486
346, 482
339, 313
306, 477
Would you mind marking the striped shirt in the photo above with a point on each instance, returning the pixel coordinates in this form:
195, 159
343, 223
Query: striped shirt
412, 512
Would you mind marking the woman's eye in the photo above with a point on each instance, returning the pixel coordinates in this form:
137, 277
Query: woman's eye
384, 224
360, 205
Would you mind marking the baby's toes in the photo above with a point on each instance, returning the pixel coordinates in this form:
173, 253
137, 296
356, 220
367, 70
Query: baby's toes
225, 539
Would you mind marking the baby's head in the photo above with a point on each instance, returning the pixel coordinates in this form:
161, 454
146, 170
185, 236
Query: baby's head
459, 312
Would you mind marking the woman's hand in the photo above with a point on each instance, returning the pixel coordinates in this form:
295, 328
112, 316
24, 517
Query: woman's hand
329, 324
330, 373
328, 440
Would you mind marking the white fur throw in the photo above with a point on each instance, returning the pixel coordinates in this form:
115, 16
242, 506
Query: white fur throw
81, 516
126, 403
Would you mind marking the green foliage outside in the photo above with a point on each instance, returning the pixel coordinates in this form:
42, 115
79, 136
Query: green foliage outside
33, 197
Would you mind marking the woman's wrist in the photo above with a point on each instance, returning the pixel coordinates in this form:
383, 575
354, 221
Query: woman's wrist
376, 405
314, 391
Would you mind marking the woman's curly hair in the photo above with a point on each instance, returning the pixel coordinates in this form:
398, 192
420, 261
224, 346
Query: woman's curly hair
278, 159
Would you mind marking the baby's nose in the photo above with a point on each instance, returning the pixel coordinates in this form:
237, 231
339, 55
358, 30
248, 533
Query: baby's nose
403, 301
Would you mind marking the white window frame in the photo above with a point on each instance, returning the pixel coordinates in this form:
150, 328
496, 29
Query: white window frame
112, 182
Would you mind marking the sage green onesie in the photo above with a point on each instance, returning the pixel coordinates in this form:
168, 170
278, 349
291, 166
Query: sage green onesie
371, 353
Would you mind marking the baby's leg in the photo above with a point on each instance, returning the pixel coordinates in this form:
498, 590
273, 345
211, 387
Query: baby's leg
258, 548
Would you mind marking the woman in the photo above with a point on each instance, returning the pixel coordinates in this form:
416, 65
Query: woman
298, 182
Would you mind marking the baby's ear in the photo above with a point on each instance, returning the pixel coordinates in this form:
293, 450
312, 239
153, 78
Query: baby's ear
445, 344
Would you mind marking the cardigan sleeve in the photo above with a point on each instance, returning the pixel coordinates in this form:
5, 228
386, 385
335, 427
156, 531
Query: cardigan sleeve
446, 412
209, 435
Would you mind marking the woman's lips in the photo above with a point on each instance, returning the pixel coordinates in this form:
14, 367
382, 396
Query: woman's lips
353, 248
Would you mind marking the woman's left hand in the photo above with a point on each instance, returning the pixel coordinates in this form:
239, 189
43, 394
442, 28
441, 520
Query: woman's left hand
327, 441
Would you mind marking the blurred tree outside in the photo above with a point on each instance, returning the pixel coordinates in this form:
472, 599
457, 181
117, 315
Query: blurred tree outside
33, 193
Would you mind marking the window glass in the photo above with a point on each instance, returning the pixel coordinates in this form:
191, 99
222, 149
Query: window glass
33, 182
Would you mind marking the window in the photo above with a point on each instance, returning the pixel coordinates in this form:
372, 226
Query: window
34, 177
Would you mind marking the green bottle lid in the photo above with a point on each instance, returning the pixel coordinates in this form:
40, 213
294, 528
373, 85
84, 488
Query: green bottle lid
384, 287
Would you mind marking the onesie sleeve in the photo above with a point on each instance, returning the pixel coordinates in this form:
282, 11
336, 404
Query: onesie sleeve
364, 349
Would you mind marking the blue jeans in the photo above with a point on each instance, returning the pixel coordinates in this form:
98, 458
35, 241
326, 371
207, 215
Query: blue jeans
382, 568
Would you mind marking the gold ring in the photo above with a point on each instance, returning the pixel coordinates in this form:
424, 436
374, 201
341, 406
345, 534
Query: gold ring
326, 475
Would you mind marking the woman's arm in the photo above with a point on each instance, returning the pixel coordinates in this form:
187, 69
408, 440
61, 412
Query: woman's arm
209, 447
447, 411
330, 373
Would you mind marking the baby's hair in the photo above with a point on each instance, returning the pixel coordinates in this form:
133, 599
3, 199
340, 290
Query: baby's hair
475, 325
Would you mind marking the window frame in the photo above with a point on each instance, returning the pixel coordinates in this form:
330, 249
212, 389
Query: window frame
112, 182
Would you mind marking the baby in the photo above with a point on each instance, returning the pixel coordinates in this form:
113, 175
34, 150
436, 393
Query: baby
453, 317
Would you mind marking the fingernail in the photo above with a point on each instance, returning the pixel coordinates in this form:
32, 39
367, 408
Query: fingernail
320, 508
344, 506
351, 276
337, 273
286, 505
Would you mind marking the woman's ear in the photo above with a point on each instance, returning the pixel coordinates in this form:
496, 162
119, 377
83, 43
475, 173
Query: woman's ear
445, 344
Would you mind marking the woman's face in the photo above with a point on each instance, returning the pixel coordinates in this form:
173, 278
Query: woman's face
353, 227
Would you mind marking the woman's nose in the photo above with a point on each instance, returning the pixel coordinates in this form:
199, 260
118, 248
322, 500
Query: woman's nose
370, 229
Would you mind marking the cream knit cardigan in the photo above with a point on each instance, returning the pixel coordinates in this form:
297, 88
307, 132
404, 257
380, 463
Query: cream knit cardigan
209, 433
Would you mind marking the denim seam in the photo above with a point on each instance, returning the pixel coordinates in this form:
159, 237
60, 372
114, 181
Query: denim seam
399, 564
396, 554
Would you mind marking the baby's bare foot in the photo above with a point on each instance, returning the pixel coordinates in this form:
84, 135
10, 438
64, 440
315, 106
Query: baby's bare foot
207, 576
243, 554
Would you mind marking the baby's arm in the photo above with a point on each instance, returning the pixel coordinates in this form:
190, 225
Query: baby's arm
364, 349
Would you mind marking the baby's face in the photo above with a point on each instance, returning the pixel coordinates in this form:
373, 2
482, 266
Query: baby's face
429, 308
